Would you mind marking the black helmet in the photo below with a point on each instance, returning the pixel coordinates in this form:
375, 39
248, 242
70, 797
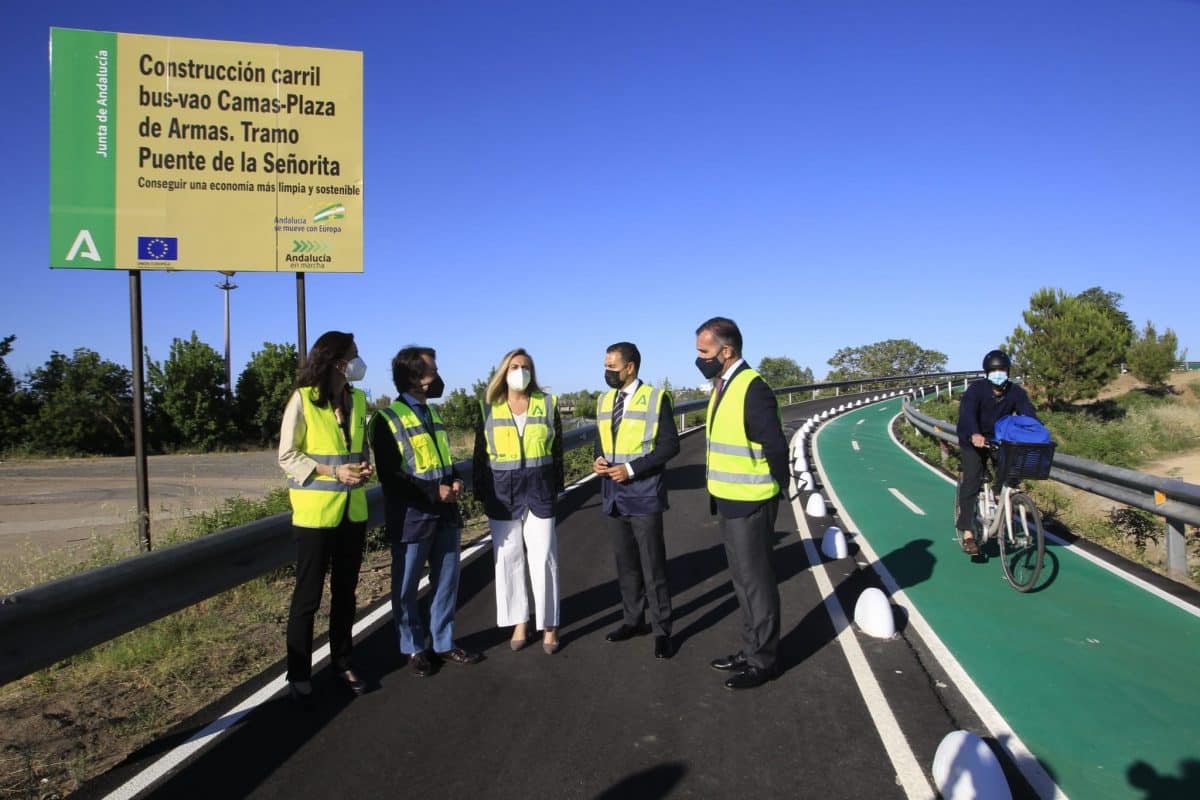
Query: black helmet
997, 360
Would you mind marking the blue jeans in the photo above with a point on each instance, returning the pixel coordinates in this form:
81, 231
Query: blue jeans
408, 560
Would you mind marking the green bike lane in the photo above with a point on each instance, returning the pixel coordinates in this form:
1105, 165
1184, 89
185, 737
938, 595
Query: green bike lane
1094, 675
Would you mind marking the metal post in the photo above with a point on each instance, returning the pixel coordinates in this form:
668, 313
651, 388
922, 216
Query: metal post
789, 402
141, 473
837, 391
1176, 549
301, 333
682, 419
227, 286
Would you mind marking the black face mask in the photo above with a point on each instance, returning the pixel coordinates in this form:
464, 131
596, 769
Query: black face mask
435, 389
709, 367
613, 378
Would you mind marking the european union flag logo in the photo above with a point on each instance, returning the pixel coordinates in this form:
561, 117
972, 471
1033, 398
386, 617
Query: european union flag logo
158, 248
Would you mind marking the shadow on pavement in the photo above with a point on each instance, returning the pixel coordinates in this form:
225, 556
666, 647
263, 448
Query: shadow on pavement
1158, 786
652, 783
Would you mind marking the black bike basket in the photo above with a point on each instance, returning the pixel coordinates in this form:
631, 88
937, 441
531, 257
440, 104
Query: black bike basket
1016, 461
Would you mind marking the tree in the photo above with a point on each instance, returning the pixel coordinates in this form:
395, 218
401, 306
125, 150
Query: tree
782, 371
1070, 348
15, 404
1110, 304
460, 409
884, 360
189, 391
1151, 356
81, 404
263, 390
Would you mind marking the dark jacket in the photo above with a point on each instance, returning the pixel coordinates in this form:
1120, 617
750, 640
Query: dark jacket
646, 492
764, 428
411, 505
506, 494
980, 407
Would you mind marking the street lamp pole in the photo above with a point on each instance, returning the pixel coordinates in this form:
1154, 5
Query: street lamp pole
227, 286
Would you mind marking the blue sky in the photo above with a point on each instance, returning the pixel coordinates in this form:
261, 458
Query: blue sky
563, 175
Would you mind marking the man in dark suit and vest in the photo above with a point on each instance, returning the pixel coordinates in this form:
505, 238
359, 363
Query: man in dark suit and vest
421, 490
747, 469
637, 437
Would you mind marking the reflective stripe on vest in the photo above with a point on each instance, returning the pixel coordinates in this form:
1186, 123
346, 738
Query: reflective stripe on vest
423, 457
320, 501
736, 466
639, 424
509, 449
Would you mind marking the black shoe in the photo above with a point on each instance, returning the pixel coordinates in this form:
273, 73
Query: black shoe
422, 664
356, 685
727, 663
663, 647
303, 698
461, 656
749, 678
625, 632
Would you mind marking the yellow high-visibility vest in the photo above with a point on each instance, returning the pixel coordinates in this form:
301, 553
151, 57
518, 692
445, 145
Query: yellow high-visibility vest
639, 424
320, 501
737, 468
508, 449
425, 456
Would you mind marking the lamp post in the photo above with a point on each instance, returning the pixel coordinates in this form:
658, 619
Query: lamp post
227, 286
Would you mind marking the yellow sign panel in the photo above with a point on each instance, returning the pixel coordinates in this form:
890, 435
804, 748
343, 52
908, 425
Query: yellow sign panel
204, 155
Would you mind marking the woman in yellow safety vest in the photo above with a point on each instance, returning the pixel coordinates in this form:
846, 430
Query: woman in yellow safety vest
323, 450
518, 476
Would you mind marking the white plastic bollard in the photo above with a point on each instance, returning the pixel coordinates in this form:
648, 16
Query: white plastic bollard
805, 482
964, 768
873, 614
824, 415
814, 419
833, 543
799, 466
816, 505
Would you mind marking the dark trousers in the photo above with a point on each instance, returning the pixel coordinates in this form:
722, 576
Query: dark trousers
749, 542
973, 460
641, 557
337, 550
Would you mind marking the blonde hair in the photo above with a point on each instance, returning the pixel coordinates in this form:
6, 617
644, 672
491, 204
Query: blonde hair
497, 387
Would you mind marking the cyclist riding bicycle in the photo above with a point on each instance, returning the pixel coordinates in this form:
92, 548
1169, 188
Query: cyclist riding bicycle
984, 402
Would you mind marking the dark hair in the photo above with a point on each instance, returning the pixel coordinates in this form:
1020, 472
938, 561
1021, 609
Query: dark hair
725, 330
320, 368
408, 367
629, 353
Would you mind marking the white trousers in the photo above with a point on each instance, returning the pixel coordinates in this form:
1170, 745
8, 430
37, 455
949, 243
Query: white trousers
510, 540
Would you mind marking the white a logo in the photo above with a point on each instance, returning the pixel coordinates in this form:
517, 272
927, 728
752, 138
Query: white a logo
84, 247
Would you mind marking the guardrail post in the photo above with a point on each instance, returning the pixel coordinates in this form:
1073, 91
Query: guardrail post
814, 397
682, 419
837, 391
789, 402
949, 389
1176, 548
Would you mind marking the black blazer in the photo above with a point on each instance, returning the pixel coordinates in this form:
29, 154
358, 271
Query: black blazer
645, 493
762, 427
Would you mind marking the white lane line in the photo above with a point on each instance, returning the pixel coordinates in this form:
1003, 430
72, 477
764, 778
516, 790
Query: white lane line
913, 507
1129, 577
1033, 771
854, 444
204, 738
909, 774
860, 422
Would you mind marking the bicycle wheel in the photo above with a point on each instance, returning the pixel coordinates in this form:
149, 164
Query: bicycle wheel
1023, 544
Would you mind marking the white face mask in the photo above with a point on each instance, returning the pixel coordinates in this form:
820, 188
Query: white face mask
356, 369
518, 379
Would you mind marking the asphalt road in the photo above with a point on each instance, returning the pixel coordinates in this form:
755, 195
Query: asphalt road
602, 720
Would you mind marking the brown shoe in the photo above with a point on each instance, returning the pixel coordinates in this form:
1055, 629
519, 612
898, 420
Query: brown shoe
970, 546
461, 656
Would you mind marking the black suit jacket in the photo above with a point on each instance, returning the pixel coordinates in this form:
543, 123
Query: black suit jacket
762, 427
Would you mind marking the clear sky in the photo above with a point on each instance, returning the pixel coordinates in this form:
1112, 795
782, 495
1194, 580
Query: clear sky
563, 175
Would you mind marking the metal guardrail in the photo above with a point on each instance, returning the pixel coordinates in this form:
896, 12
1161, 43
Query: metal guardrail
1178, 502
52, 621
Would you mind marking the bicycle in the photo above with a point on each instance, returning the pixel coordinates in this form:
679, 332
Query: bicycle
1022, 540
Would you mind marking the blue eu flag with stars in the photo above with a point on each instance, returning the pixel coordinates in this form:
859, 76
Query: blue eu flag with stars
158, 248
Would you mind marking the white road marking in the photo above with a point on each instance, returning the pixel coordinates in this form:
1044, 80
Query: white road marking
854, 444
1183, 605
913, 507
909, 774
860, 422
1033, 771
